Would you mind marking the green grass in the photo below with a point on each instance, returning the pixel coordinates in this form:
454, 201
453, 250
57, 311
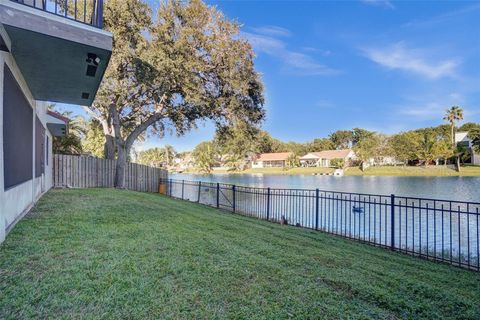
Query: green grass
102, 253
437, 171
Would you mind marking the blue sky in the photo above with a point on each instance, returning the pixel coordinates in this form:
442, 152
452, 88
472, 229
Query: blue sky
381, 65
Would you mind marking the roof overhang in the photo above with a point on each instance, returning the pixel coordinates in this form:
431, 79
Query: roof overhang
57, 124
309, 157
61, 60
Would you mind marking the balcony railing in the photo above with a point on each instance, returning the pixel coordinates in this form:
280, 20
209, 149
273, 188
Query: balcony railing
85, 11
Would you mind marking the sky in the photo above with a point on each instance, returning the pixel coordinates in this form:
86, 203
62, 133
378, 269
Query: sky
385, 66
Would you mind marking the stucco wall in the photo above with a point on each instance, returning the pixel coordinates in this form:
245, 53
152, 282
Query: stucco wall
15, 201
476, 159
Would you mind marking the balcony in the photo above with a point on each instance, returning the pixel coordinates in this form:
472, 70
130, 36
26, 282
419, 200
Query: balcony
88, 12
59, 46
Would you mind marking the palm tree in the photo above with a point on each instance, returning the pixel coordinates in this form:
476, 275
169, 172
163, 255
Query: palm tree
455, 113
169, 153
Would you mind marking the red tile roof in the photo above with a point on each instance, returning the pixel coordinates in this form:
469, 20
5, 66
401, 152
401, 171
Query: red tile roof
278, 156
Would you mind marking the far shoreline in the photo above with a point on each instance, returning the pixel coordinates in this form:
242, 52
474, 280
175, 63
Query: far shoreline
393, 171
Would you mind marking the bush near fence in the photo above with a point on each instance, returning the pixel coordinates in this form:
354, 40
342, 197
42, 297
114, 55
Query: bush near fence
89, 172
440, 230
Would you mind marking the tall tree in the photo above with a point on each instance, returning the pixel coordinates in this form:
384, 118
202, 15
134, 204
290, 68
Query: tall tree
474, 135
442, 150
342, 139
359, 134
426, 150
367, 149
264, 143
404, 145
235, 143
205, 154
190, 64
452, 115
157, 157
469, 126
94, 140
320, 144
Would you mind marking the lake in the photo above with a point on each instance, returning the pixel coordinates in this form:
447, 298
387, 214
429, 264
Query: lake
448, 188
356, 207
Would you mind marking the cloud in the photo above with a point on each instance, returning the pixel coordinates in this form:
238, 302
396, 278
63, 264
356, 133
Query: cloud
294, 62
274, 31
399, 57
445, 17
323, 52
430, 106
324, 104
381, 3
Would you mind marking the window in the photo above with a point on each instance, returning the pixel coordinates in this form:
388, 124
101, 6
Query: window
39, 148
17, 133
46, 151
464, 144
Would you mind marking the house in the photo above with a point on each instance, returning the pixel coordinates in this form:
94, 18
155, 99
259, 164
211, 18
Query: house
462, 139
271, 160
47, 54
324, 158
185, 162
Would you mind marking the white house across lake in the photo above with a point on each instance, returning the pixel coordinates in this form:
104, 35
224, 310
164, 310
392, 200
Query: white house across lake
462, 139
324, 158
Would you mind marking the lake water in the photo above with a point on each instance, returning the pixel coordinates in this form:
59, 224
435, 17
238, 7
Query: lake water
448, 188
356, 207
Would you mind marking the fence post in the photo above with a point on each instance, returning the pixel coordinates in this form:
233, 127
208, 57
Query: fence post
218, 195
199, 189
183, 187
317, 192
233, 204
392, 221
268, 204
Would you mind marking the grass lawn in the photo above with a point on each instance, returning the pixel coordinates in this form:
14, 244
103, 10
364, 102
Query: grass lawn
440, 171
102, 253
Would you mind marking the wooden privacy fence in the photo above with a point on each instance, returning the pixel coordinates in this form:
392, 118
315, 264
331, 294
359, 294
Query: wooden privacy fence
90, 172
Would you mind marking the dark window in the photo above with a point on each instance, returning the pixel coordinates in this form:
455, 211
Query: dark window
46, 152
39, 148
17, 133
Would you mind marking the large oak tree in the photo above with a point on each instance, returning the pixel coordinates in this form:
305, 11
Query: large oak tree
187, 64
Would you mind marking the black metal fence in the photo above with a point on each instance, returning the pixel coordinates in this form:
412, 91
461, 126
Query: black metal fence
86, 11
441, 230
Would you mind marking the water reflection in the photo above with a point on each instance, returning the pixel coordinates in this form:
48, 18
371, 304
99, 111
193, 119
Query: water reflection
451, 188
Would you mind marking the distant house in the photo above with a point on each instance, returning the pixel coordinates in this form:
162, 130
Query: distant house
462, 139
184, 163
324, 158
271, 160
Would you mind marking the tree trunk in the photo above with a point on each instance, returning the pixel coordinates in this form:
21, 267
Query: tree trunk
453, 137
458, 163
109, 147
120, 168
